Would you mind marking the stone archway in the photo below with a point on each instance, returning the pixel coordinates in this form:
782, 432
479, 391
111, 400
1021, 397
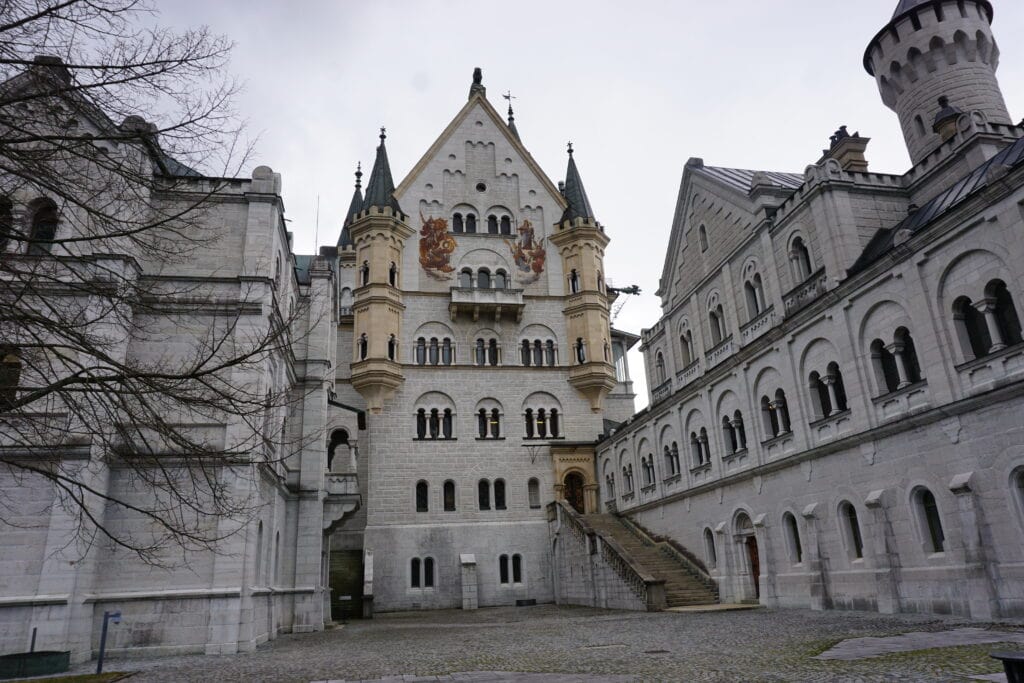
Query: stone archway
578, 460
572, 489
748, 574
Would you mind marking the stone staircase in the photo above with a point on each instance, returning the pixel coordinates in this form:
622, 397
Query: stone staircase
684, 585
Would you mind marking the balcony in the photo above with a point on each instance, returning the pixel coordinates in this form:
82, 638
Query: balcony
758, 326
719, 353
662, 391
342, 498
492, 304
812, 288
688, 374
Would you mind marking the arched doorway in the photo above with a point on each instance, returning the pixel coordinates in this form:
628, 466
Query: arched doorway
573, 491
747, 542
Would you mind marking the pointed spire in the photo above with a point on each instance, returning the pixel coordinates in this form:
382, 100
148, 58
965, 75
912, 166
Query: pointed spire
511, 117
354, 207
579, 205
380, 191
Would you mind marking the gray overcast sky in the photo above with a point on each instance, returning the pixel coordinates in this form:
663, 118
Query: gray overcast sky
638, 86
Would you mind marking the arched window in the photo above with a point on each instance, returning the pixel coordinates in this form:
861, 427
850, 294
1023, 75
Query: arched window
884, 362
506, 225
466, 279
740, 430
483, 490
500, 280
364, 347
821, 399
769, 419
492, 225
495, 423
481, 423
796, 551
659, 367
581, 351
421, 351
483, 278
854, 541
392, 348
553, 423
754, 291
492, 352
457, 224
533, 493
600, 282
800, 258
930, 522
422, 497
499, 494
526, 357
7, 224
44, 228
517, 568
835, 375
716, 324
705, 446
414, 572
667, 456
782, 411
435, 423
538, 353
428, 572
421, 424
449, 496
686, 348
10, 377
446, 423
549, 353
470, 223
676, 466
574, 282
481, 352
447, 352
338, 438
729, 435
364, 273
433, 355
1007, 320
503, 570
703, 235
393, 275
528, 416
709, 549
906, 356
972, 331
542, 423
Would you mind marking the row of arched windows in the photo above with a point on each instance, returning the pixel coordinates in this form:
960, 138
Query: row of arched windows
436, 424
434, 352
987, 326
421, 572
496, 225
895, 364
363, 347
535, 353
539, 353
42, 219
516, 565
487, 492
542, 423
483, 279
487, 352
364, 274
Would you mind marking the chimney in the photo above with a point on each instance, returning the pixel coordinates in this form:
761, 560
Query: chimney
848, 150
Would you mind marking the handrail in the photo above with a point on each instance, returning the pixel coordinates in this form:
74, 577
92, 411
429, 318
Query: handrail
697, 570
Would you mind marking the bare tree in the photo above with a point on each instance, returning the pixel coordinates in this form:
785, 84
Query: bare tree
147, 404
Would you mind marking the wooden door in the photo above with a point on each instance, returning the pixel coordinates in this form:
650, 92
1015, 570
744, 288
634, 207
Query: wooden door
574, 491
755, 565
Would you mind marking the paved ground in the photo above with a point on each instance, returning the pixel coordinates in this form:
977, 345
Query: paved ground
579, 644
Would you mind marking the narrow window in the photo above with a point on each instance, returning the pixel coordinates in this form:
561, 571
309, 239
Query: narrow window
685, 351
470, 223
659, 366
364, 347
801, 258
421, 351
549, 352
492, 352
886, 372
457, 225
500, 280
481, 420
392, 347
695, 453
972, 331
393, 275
796, 551
259, 554
435, 423
446, 423
581, 351
428, 572
753, 306
414, 572
499, 494
1007, 319
495, 424
782, 411
919, 126
574, 282
932, 522
542, 423
492, 225
676, 466
849, 513
553, 425
517, 569
481, 352
466, 279
483, 279
503, 570
906, 348
533, 491
421, 424
484, 494
364, 273
823, 402
7, 224
506, 225
538, 353
769, 419
729, 436
840, 389
422, 497
44, 229
447, 355
709, 549
10, 377
703, 234
528, 416
526, 352
433, 351
449, 496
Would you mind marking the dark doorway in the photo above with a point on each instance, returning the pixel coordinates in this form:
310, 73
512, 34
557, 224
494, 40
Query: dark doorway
346, 579
755, 565
574, 491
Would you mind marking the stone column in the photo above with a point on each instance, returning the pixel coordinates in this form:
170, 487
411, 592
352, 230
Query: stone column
880, 533
726, 591
988, 309
818, 588
469, 584
767, 588
779, 406
898, 350
830, 382
982, 596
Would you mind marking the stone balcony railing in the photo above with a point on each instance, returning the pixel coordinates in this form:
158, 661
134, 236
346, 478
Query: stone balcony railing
489, 303
719, 353
689, 373
806, 292
758, 326
662, 391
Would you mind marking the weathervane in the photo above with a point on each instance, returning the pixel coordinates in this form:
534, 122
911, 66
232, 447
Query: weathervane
570, 148
509, 96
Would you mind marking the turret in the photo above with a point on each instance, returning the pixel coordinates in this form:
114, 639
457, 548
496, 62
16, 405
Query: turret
354, 208
581, 242
378, 233
934, 49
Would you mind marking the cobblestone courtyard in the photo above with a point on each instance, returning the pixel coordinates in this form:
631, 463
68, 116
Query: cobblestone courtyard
593, 645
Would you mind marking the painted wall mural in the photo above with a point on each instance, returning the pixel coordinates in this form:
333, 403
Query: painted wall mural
528, 253
436, 248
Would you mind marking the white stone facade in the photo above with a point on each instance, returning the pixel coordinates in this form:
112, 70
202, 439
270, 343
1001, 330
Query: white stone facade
850, 432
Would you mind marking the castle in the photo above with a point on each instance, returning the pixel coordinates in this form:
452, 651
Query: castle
837, 381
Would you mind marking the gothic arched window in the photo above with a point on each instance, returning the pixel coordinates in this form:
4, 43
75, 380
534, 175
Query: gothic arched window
44, 228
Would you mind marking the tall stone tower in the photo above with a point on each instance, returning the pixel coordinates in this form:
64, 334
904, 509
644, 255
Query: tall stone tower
379, 232
581, 243
934, 49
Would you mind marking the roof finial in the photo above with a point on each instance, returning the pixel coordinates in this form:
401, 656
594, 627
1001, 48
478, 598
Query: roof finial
359, 174
509, 96
383, 134
570, 148
478, 84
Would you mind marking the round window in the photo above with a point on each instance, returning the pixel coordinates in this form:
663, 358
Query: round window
480, 187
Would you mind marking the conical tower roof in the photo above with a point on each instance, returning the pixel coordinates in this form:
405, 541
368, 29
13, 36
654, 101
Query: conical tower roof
575, 195
354, 207
380, 191
907, 5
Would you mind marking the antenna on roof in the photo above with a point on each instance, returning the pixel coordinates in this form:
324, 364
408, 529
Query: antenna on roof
316, 230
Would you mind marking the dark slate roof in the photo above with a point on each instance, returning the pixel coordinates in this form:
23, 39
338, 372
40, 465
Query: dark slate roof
177, 169
575, 195
302, 265
884, 240
907, 5
743, 180
380, 191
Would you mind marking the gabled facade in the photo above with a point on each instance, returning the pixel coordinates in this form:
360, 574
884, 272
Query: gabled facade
839, 363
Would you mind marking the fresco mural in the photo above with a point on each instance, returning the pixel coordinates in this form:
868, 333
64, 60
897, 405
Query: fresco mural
528, 254
436, 248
